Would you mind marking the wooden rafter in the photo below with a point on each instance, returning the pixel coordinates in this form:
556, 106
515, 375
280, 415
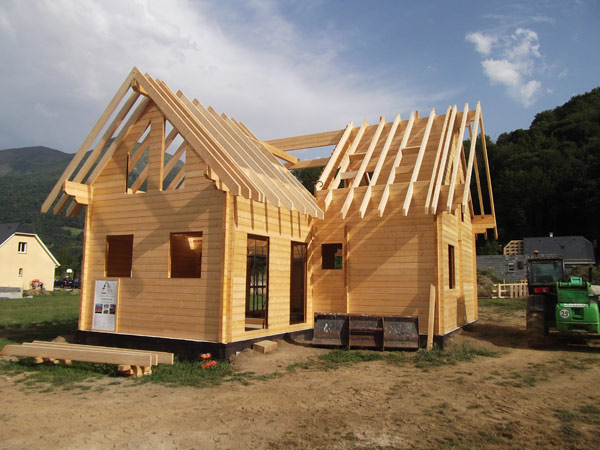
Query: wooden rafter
249, 165
344, 165
219, 160
338, 152
280, 153
487, 173
478, 181
396, 163
440, 177
308, 164
471, 157
274, 170
88, 140
363, 166
379, 166
436, 163
417, 166
456, 162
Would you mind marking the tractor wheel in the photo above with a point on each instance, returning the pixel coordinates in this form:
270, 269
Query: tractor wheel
536, 332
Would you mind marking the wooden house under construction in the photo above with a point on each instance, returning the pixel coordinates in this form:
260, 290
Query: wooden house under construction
197, 234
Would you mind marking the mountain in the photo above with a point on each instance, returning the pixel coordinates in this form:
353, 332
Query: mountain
26, 177
32, 159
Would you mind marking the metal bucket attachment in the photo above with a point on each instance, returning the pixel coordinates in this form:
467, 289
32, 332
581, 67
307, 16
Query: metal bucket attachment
367, 331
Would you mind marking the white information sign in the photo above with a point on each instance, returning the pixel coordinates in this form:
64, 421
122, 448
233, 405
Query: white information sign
105, 305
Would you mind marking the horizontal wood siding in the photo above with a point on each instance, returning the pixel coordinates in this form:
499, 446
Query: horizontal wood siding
150, 302
391, 259
282, 227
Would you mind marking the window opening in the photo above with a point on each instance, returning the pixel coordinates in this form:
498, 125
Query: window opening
257, 282
331, 256
451, 268
22, 247
186, 255
298, 283
119, 256
20, 271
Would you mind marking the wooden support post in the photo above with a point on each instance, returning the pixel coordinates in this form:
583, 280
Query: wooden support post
431, 317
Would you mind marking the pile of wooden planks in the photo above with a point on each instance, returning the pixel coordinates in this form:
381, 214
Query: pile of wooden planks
131, 362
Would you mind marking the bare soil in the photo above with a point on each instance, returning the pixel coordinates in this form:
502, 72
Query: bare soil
520, 399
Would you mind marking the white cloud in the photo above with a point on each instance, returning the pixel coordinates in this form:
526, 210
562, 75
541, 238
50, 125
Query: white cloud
483, 43
254, 65
515, 60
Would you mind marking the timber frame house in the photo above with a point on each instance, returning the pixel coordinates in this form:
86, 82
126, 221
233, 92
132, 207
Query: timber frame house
212, 240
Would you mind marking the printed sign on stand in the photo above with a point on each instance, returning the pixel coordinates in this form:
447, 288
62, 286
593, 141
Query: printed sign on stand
105, 305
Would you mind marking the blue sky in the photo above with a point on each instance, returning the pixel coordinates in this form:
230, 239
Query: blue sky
288, 68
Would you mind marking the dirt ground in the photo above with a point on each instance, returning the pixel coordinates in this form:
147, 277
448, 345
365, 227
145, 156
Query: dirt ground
521, 398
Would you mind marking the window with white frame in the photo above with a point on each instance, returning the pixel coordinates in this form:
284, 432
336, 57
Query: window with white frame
22, 247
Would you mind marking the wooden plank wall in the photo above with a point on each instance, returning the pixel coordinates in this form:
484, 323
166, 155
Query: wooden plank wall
151, 303
282, 226
390, 260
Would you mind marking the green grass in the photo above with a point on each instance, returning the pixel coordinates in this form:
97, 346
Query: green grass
41, 317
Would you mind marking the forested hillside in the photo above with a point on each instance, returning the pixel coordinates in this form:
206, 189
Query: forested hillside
26, 177
547, 178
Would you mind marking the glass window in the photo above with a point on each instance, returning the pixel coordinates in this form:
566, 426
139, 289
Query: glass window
22, 247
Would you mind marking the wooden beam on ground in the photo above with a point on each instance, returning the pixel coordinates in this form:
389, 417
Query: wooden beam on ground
308, 140
418, 162
378, 166
82, 193
86, 355
396, 163
438, 154
344, 165
162, 357
308, 164
89, 140
473, 136
441, 170
361, 170
456, 162
338, 153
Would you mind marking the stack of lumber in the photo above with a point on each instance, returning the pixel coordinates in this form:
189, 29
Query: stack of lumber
131, 362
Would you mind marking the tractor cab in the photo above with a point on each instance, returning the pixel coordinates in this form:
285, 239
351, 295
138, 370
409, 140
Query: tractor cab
543, 272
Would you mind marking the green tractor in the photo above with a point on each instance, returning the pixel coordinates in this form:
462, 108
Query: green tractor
555, 303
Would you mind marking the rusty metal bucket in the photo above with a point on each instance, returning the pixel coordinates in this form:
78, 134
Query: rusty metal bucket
366, 331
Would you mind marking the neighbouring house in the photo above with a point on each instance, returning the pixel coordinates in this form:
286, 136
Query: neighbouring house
25, 262
576, 251
197, 234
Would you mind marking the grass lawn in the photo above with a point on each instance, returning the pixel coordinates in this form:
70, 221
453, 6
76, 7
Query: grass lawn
42, 317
